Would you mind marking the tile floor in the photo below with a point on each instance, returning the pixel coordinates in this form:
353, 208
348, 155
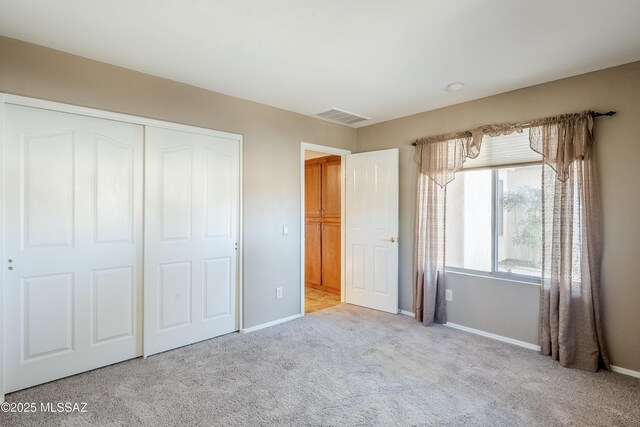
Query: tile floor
315, 300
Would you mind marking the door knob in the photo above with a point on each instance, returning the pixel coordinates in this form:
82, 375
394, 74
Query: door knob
394, 239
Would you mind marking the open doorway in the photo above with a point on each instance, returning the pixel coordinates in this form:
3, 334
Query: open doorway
323, 237
322, 277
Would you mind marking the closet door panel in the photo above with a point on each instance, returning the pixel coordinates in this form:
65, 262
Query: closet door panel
115, 182
219, 194
73, 209
47, 155
191, 235
175, 192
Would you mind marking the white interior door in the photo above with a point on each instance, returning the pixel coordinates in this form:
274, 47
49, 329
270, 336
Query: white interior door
191, 232
372, 230
73, 243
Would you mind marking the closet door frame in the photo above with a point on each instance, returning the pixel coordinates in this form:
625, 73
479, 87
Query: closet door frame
3, 100
90, 112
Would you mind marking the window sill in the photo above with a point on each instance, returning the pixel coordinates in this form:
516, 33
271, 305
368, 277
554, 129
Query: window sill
472, 273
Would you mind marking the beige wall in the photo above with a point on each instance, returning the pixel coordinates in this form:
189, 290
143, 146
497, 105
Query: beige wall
272, 140
512, 311
272, 176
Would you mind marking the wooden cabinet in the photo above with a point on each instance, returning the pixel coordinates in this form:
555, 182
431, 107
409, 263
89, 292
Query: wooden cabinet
330, 233
331, 173
313, 189
313, 257
322, 223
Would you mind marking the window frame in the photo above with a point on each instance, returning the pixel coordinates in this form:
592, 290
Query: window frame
495, 273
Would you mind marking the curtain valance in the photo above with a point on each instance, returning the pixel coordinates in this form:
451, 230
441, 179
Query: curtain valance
559, 139
441, 156
562, 139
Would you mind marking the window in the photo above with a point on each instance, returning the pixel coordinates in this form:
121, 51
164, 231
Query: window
519, 249
494, 211
468, 243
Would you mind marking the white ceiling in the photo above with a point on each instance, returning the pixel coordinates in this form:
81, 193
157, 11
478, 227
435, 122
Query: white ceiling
378, 58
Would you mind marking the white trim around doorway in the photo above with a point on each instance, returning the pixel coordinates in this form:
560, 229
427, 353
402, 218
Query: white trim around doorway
304, 146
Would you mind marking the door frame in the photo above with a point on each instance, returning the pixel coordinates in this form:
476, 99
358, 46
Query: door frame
2, 257
108, 115
304, 146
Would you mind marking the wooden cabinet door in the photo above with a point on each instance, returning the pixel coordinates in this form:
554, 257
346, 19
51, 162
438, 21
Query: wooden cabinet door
312, 189
331, 174
312, 254
331, 257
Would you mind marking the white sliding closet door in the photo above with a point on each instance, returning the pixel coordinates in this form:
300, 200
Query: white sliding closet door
191, 235
73, 243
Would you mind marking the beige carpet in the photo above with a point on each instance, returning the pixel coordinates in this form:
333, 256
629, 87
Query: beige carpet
342, 366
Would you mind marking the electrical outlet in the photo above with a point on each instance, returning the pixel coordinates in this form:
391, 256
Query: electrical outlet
448, 295
285, 230
278, 293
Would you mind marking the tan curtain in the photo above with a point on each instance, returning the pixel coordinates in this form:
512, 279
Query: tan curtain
428, 293
570, 328
439, 158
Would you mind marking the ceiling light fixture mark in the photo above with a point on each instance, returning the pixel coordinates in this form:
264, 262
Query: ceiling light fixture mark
454, 87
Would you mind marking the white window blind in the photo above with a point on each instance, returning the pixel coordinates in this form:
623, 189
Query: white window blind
504, 150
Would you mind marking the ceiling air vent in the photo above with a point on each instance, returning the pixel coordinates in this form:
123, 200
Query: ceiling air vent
341, 116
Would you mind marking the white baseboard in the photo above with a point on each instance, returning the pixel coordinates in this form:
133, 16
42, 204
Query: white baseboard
625, 371
269, 324
524, 344
618, 369
494, 336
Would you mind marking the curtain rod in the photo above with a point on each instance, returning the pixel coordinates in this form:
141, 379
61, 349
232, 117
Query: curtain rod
528, 125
